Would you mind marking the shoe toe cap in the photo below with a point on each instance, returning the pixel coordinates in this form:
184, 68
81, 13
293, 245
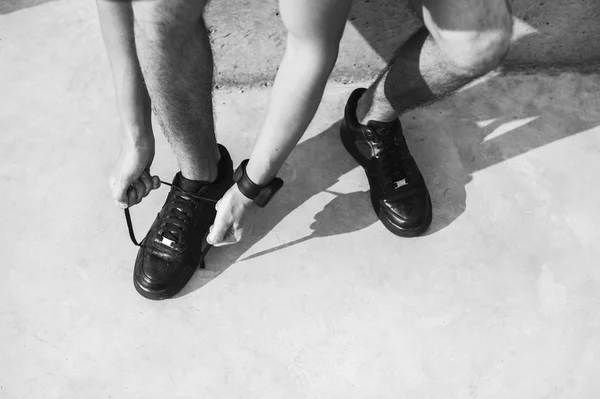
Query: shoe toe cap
410, 216
153, 272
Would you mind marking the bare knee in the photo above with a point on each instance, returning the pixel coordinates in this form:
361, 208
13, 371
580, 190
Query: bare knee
477, 41
476, 53
159, 20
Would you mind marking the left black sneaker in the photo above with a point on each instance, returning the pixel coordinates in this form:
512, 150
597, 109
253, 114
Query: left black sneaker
398, 192
173, 248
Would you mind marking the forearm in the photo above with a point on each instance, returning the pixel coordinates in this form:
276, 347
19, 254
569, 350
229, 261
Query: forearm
116, 21
295, 97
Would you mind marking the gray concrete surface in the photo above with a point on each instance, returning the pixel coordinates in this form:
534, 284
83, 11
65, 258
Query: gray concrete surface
498, 300
248, 36
548, 33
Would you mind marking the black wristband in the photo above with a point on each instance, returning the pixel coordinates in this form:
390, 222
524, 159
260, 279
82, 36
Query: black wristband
247, 186
261, 195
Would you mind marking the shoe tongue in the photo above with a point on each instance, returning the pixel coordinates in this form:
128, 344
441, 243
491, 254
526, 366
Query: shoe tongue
383, 128
191, 186
187, 185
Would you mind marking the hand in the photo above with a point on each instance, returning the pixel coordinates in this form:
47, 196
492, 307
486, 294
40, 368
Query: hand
131, 179
232, 209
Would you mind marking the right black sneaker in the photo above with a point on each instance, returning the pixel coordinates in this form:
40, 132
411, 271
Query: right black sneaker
173, 248
398, 192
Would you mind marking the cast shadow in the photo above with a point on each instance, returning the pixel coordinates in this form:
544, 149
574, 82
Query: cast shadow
558, 33
476, 128
386, 24
468, 137
314, 166
488, 124
8, 6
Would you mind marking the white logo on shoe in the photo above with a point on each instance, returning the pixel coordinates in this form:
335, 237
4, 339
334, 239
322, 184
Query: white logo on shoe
400, 183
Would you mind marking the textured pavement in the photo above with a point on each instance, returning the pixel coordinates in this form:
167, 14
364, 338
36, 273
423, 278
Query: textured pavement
499, 299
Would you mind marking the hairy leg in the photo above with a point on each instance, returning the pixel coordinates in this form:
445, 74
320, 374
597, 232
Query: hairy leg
177, 64
461, 41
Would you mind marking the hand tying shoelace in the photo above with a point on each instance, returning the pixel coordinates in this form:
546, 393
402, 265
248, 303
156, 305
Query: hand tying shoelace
172, 235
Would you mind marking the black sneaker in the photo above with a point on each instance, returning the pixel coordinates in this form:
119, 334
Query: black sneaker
398, 192
176, 243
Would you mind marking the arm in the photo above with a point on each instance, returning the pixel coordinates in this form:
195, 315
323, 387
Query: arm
315, 28
116, 23
131, 179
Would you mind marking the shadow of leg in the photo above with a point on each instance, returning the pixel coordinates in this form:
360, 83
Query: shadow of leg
451, 140
491, 122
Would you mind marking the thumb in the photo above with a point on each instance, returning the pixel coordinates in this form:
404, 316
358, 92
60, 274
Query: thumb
120, 191
217, 232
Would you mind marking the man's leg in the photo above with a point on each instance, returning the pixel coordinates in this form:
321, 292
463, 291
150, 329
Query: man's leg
176, 61
177, 64
463, 40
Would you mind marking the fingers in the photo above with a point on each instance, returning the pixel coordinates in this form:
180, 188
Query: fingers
120, 192
126, 195
139, 191
217, 232
219, 236
131, 180
219, 228
155, 182
147, 180
228, 227
224, 231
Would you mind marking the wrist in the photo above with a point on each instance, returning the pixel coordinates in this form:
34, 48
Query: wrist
260, 174
136, 114
245, 201
259, 194
138, 136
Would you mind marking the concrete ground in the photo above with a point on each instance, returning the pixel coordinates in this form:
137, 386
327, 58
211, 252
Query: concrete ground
499, 299
249, 38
